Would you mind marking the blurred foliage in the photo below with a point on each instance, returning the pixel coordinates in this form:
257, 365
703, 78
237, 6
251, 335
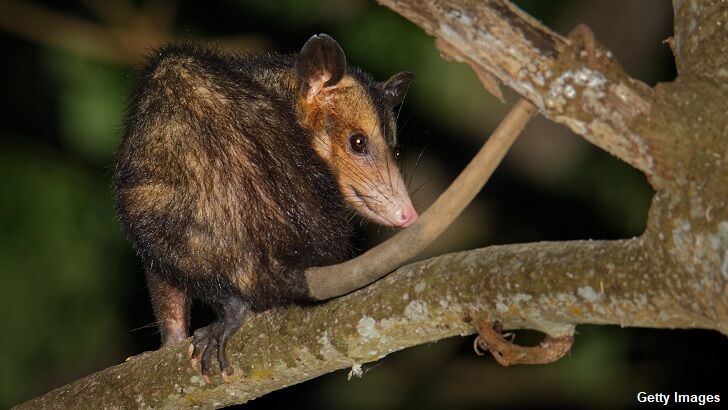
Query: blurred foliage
91, 102
443, 90
60, 250
301, 13
73, 292
617, 193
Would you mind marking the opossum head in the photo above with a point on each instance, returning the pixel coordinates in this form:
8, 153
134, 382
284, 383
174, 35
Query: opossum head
353, 124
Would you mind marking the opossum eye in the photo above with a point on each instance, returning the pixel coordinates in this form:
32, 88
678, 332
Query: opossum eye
397, 152
358, 142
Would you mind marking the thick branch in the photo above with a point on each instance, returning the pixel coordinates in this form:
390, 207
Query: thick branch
699, 43
588, 93
544, 286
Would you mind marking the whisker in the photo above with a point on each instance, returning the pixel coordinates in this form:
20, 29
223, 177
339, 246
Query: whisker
147, 326
371, 160
417, 163
421, 185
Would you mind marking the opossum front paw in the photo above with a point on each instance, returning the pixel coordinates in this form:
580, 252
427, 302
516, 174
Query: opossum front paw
206, 341
214, 337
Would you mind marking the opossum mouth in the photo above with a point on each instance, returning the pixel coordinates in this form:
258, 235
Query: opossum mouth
363, 201
367, 211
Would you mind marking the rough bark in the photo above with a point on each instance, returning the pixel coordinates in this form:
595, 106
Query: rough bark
674, 275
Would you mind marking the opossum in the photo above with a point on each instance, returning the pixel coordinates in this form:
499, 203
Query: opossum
237, 173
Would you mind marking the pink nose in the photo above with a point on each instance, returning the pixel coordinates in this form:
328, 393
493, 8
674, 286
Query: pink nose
406, 217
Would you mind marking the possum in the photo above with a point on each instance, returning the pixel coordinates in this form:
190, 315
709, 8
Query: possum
237, 173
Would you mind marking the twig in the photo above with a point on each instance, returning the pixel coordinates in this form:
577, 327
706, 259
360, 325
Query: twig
508, 353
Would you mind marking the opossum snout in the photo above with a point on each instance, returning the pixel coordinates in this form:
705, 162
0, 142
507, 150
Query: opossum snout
406, 216
399, 212
385, 204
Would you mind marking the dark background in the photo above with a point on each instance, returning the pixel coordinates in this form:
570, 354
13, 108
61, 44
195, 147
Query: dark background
73, 298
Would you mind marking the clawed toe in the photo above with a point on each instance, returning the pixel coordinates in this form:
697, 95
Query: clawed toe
214, 337
227, 374
207, 341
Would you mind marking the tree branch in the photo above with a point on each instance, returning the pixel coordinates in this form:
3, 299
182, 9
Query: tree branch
598, 101
544, 286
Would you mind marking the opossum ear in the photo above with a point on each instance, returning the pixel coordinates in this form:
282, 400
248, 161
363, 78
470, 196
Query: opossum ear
321, 63
396, 87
